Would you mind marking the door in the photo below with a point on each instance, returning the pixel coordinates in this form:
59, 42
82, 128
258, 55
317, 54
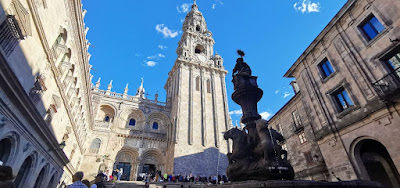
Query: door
126, 173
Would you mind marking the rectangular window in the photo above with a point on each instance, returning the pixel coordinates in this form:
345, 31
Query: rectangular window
394, 61
208, 86
371, 27
326, 68
296, 119
302, 138
10, 34
197, 84
284, 147
342, 99
280, 129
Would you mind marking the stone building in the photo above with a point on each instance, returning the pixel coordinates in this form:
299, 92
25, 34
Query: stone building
343, 122
145, 136
54, 122
196, 92
45, 101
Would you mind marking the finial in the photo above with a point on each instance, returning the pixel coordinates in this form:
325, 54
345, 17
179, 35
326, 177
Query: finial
141, 84
98, 83
110, 82
194, 6
125, 90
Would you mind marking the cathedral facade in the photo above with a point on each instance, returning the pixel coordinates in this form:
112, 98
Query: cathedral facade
148, 136
55, 122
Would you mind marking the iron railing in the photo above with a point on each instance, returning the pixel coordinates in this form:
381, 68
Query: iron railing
388, 86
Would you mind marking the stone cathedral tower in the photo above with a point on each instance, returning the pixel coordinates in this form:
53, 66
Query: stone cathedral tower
196, 92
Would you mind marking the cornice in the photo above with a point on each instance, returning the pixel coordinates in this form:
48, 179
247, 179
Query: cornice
50, 57
319, 38
80, 28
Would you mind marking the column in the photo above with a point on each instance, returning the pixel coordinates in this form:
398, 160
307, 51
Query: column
215, 111
203, 107
190, 104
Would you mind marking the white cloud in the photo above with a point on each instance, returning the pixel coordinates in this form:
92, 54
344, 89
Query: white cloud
277, 91
157, 56
236, 112
182, 20
151, 63
184, 8
287, 94
162, 47
167, 33
265, 115
214, 5
306, 6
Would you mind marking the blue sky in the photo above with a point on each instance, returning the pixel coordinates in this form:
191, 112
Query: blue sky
133, 39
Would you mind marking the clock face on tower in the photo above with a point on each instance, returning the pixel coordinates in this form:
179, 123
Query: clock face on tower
201, 57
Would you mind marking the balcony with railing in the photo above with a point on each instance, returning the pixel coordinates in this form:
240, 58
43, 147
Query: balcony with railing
102, 124
129, 97
388, 87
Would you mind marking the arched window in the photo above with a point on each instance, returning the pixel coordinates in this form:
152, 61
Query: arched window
155, 125
199, 49
51, 182
39, 180
23, 171
5, 149
60, 42
107, 119
197, 28
208, 86
95, 146
197, 83
132, 122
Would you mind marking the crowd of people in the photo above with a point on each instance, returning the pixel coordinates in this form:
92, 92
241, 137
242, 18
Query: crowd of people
79, 182
156, 177
6, 177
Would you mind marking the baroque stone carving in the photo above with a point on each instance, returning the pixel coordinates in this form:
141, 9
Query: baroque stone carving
256, 154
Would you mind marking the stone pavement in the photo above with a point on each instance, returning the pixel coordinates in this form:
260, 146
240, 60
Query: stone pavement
254, 184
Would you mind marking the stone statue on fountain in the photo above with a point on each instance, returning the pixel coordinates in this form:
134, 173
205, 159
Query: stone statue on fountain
257, 153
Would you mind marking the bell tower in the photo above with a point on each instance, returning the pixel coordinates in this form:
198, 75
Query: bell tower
196, 93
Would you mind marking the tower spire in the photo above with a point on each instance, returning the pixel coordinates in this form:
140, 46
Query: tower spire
194, 6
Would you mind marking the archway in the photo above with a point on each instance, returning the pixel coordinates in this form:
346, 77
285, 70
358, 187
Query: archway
23, 172
5, 150
151, 162
375, 163
52, 181
127, 160
40, 178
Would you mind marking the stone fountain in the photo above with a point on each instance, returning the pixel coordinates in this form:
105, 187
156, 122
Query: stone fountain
256, 154
257, 159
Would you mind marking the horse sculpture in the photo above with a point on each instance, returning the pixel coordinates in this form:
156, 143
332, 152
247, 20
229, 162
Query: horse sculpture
240, 149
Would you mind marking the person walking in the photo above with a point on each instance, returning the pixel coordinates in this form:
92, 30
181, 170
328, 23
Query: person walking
115, 175
77, 179
120, 173
6, 177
